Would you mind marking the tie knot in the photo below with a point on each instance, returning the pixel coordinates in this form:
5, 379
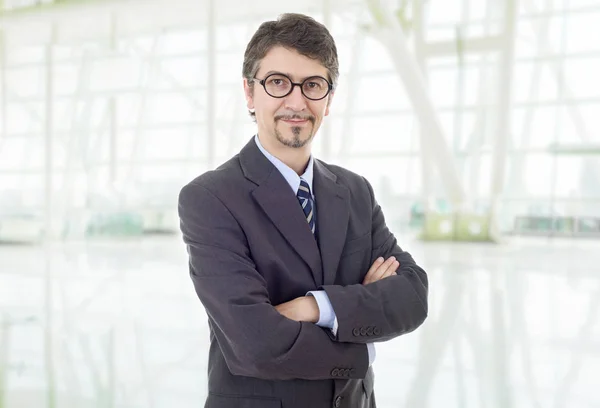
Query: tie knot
304, 189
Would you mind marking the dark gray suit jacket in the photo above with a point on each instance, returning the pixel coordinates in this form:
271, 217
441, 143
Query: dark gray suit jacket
250, 248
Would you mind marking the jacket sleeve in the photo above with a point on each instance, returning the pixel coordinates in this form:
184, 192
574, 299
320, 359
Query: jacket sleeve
385, 309
256, 340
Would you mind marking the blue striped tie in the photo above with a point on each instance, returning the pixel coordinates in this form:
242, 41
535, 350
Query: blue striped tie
306, 202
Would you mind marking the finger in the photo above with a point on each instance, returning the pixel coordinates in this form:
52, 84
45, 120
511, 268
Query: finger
391, 271
383, 268
368, 277
375, 265
376, 270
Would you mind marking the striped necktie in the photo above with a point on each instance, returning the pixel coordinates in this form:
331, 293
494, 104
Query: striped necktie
306, 202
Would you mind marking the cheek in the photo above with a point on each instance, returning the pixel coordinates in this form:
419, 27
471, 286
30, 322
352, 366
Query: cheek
271, 107
320, 111
267, 108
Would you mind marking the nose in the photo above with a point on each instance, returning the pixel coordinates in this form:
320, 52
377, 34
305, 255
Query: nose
295, 101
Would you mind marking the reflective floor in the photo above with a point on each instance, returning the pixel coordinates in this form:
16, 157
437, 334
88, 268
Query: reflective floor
118, 325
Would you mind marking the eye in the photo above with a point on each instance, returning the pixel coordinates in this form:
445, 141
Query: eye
278, 81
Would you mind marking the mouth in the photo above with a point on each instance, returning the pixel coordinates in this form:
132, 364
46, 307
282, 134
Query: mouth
296, 121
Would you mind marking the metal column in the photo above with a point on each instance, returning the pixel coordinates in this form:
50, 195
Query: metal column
326, 130
211, 95
48, 134
50, 232
391, 35
3, 85
500, 143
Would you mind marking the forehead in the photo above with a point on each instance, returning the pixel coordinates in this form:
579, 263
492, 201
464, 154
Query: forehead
292, 63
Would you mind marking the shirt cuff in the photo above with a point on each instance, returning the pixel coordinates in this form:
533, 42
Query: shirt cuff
327, 316
334, 329
372, 353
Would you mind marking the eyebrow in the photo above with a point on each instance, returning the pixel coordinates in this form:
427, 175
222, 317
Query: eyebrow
292, 76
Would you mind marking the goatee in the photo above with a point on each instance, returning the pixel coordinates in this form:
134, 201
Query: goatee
295, 142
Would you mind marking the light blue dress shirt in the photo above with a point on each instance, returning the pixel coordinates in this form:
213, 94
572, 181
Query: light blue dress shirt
327, 317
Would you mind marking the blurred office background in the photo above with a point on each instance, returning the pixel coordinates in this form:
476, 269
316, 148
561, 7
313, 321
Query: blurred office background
476, 121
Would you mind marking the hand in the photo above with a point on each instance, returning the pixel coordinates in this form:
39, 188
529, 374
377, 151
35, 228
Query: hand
381, 270
302, 309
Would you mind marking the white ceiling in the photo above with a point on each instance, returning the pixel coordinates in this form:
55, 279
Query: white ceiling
86, 19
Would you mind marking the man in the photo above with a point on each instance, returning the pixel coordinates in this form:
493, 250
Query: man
290, 256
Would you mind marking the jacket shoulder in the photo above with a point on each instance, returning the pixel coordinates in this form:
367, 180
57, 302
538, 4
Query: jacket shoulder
227, 173
344, 175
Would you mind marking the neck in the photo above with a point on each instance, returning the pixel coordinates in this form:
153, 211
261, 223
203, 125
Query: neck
295, 158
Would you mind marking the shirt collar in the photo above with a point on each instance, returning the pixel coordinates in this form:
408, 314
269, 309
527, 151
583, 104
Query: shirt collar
290, 175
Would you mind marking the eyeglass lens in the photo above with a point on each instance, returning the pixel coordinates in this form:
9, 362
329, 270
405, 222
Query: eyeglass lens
278, 85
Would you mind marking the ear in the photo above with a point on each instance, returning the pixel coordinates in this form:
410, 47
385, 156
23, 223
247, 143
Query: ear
249, 94
329, 99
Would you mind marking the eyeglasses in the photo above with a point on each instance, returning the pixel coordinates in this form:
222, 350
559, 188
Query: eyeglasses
314, 88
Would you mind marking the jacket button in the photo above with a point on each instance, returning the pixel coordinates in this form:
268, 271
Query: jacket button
377, 331
335, 372
363, 331
356, 332
370, 331
338, 402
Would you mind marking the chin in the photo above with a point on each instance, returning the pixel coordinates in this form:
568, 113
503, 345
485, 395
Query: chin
294, 138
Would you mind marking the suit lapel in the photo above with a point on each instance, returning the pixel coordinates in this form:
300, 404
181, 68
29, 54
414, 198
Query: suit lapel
281, 205
333, 212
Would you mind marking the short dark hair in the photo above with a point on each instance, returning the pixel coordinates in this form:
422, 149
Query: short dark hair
293, 31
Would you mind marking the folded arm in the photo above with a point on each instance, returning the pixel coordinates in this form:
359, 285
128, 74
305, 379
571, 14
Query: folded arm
256, 340
387, 308
326, 317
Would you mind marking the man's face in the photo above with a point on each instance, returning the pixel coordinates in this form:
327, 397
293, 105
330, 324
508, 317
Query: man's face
293, 120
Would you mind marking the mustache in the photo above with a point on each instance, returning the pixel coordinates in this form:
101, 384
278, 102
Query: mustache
295, 117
